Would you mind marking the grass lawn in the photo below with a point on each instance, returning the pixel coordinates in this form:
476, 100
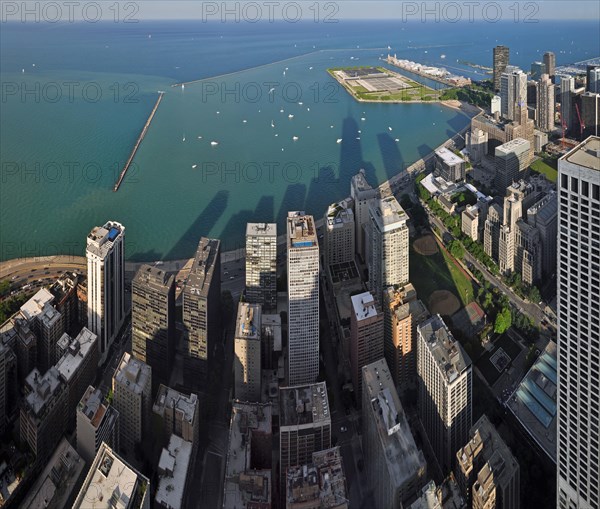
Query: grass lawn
438, 272
541, 166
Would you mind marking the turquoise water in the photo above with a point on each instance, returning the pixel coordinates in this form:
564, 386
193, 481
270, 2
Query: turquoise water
60, 159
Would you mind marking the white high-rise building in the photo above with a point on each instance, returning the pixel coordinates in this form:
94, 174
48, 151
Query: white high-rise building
388, 265
361, 192
303, 299
247, 349
513, 92
545, 103
261, 264
105, 283
444, 397
578, 278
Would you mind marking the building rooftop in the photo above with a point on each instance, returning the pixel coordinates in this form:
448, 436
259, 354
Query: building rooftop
586, 154
170, 398
153, 277
301, 230
449, 157
203, 267
364, 306
323, 482
173, 468
486, 445
65, 284
359, 181
246, 488
339, 215
55, 484
112, 483
76, 353
271, 327
132, 373
518, 146
404, 459
544, 210
388, 213
102, 238
303, 404
43, 390
95, 410
446, 496
37, 305
248, 321
534, 401
261, 229
448, 353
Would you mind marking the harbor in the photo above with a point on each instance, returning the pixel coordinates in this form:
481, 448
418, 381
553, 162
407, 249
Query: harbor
438, 74
138, 142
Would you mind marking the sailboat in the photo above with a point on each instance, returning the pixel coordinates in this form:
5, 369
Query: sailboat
272, 124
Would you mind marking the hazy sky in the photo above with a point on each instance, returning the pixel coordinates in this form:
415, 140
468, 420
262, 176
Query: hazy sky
247, 11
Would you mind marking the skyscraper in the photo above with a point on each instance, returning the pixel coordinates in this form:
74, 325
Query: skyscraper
388, 264
105, 283
550, 63
201, 311
247, 349
513, 92
261, 265
567, 86
545, 103
339, 234
444, 397
132, 387
501, 58
303, 299
361, 192
578, 279
366, 336
592, 75
153, 320
511, 159
537, 69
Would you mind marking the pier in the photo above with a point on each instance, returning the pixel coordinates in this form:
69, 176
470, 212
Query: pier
138, 142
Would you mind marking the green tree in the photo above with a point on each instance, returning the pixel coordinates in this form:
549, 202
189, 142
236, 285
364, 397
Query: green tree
4, 287
503, 321
534, 294
457, 250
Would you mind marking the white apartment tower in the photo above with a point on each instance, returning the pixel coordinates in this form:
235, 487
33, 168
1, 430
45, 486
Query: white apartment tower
545, 101
247, 351
388, 265
444, 397
303, 299
578, 276
261, 264
513, 92
105, 283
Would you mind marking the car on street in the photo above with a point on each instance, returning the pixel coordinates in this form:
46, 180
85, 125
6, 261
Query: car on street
343, 429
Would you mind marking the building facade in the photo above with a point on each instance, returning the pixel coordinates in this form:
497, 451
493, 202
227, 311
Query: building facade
445, 388
153, 320
201, 311
261, 265
388, 264
178, 413
366, 336
545, 103
303, 298
247, 351
513, 92
449, 166
132, 387
105, 253
511, 159
361, 192
578, 327
395, 468
550, 63
501, 59
339, 233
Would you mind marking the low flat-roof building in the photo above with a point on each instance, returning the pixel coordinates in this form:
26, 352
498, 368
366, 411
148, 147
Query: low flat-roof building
179, 414
55, 487
449, 166
248, 483
173, 468
97, 422
319, 485
445, 496
486, 469
395, 468
111, 482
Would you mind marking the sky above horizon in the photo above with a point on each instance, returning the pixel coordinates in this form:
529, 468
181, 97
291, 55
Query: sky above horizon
250, 11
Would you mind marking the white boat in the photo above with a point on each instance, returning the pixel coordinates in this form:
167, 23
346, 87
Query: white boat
397, 140
276, 134
363, 118
310, 68
290, 116
358, 137
359, 131
339, 140
307, 109
218, 112
183, 86
295, 138
331, 126
183, 138
281, 110
272, 124
199, 137
390, 128
300, 103
244, 121
194, 166
214, 143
